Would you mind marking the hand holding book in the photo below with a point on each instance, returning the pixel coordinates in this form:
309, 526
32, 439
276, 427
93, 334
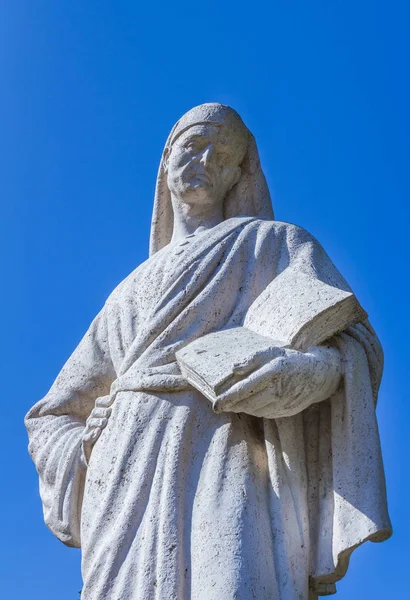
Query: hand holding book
270, 382
273, 365
285, 385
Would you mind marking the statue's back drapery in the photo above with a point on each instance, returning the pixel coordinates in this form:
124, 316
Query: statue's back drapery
176, 501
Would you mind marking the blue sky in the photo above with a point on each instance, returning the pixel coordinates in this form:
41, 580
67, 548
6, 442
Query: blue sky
89, 91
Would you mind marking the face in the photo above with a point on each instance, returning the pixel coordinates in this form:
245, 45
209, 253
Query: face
203, 164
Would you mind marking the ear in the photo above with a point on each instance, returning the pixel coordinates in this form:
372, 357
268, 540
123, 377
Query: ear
236, 177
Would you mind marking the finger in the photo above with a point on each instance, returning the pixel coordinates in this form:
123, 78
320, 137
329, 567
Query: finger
268, 411
104, 401
86, 453
96, 423
89, 437
101, 413
249, 388
255, 402
87, 447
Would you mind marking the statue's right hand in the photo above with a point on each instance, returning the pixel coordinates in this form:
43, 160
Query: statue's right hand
95, 423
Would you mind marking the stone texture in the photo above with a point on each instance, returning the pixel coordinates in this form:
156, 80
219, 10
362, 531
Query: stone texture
167, 498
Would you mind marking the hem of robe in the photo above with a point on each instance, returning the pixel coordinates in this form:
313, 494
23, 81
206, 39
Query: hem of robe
355, 346
325, 585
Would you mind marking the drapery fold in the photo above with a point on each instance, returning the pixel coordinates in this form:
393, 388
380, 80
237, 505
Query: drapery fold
318, 480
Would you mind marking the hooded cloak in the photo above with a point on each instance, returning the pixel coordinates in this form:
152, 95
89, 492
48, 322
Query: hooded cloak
249, 197
180, 503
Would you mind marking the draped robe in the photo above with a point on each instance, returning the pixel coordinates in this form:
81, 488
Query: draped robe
178, 502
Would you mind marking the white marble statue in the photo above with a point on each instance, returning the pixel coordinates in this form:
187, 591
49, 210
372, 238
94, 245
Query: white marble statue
169, 499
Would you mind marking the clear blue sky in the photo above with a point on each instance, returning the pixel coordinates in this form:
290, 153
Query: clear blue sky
89, 91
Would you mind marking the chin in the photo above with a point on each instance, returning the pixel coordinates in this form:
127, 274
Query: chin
197, 192
198, 200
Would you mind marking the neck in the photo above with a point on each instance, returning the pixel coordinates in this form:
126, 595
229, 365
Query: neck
189, 219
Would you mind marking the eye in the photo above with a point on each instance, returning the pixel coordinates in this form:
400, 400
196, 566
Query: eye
191, 145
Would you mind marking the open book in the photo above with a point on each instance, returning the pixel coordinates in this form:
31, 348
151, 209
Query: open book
295, 311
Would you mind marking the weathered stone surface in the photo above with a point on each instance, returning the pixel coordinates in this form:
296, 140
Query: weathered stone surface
167, 498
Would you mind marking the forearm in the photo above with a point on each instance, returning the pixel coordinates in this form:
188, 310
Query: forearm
57, 424
60, 446
56, 448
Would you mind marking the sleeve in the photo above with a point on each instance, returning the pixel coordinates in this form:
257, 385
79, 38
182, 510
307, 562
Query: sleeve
55, 427
347, 488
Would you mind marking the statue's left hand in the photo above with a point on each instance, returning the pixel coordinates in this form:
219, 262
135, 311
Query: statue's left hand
95, 424
294, 381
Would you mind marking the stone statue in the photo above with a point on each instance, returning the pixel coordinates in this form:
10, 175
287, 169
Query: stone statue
168, 498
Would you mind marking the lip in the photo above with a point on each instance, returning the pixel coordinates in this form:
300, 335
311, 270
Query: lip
202, 176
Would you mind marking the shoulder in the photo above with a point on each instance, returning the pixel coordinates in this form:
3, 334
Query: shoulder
292, 234
126, 288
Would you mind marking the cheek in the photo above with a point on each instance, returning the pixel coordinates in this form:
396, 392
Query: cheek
178, 160
176, 168
228, 176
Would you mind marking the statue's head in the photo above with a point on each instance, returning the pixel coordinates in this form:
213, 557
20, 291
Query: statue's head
204, 155
210, 157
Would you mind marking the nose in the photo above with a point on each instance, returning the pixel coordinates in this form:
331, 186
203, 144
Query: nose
206, 154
